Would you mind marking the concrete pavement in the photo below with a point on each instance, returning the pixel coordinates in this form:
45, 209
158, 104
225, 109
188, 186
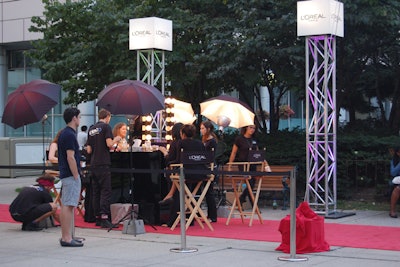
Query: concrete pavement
102, 248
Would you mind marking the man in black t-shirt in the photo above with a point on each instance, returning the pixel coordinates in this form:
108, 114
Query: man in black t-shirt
100, 141
34, 204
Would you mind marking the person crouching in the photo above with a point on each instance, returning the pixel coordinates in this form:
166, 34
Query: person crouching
34, 204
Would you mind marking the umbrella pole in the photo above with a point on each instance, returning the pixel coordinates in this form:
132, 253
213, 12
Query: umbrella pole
44, 149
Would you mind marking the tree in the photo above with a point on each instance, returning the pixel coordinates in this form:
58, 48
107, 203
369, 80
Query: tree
84, 46
220, 46
259, 47
368, 55
189, 64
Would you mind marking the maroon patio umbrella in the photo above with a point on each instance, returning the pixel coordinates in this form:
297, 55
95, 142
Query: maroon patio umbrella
129, 97
30, 102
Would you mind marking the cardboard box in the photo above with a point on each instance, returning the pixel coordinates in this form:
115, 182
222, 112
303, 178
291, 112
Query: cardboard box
121, 211
230, 196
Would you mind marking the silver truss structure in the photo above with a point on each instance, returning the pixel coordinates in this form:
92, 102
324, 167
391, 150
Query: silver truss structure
151, 70
321, 123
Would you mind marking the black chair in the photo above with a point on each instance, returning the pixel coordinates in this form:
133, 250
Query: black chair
198, 167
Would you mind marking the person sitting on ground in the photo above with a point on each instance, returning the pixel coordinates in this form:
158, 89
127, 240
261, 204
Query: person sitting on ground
34, 204
395, 171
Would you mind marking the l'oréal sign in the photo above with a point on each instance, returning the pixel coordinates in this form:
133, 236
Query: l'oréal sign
318, 17
150, 33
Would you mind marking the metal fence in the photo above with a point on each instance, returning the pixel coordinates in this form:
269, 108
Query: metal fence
368, 173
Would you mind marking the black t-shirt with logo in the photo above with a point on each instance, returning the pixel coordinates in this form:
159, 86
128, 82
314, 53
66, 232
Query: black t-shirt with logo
97, 136
244, 145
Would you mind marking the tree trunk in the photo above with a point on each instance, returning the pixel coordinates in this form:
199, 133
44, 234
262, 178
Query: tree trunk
394, 118
274, 114
261, 119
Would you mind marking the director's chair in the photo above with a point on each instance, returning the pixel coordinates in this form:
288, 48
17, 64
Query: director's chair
238, 178
197, 161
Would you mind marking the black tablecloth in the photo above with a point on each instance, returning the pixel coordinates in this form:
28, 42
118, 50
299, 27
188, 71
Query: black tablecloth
147, 187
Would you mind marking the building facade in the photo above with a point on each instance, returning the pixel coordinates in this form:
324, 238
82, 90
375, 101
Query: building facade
16, 68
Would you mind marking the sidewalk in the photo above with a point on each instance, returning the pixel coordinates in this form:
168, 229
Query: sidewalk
102, 248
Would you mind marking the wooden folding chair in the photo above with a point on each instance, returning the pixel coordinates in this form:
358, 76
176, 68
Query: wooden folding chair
57, 195
192, 200
256, 159
56, 174
237, 181
260, 167
80, 209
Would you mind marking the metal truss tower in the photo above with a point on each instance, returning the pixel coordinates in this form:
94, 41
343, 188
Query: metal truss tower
153, 62
151, 70
321, 123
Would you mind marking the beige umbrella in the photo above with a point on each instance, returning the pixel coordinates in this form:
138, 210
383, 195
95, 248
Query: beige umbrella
183, 112
226, 111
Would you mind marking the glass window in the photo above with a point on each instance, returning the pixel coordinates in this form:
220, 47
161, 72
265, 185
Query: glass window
16, 59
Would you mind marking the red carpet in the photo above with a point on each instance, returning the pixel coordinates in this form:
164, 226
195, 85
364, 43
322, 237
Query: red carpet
356, 236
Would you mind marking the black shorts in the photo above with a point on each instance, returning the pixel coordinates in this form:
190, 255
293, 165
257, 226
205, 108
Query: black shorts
33, 214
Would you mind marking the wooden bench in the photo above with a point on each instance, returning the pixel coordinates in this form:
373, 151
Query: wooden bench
270, 182
278, 182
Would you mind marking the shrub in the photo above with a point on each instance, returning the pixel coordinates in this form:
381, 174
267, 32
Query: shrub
362, 158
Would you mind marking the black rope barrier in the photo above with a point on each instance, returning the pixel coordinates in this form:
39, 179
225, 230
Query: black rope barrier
155, 171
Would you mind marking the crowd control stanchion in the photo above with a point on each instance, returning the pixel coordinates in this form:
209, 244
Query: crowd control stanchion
292, 256
183, 248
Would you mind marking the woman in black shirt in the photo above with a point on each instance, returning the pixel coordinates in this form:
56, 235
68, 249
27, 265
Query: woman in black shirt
208, 137
240, 151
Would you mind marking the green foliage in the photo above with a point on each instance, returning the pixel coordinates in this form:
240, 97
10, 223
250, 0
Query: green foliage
362, 158
84, 46
221, 46
368, 57
282, 148
257, 46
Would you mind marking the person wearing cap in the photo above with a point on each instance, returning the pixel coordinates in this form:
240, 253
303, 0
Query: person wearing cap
34, 204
